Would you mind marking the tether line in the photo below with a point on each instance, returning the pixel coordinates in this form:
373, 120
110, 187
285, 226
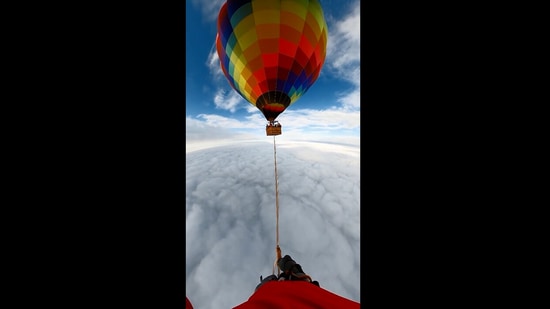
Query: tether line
277, 248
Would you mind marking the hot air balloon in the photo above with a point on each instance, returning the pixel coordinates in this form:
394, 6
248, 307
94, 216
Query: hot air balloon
271, 51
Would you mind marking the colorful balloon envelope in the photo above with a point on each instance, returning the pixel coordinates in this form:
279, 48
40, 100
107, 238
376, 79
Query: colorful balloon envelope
271, 51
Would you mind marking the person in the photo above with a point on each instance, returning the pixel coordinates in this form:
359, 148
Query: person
292, 288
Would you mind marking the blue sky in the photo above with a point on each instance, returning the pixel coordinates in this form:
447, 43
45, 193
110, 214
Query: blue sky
328, 112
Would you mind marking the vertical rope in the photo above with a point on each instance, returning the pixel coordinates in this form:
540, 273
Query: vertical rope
277, 248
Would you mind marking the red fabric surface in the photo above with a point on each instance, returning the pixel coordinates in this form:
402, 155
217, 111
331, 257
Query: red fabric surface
188, 304
295, 294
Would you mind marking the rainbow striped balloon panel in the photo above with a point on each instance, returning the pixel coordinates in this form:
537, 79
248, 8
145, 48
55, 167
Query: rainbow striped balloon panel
271, 52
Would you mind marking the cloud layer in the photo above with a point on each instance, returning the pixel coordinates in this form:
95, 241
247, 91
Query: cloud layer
230, 218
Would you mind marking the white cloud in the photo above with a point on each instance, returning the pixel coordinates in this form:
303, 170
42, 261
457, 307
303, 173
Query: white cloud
343, 46
228, 100
343, 54
210, 9
338, 126
335, 119
207, 131
213, 64
252, 109
351, 101
299, 119
230, 218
